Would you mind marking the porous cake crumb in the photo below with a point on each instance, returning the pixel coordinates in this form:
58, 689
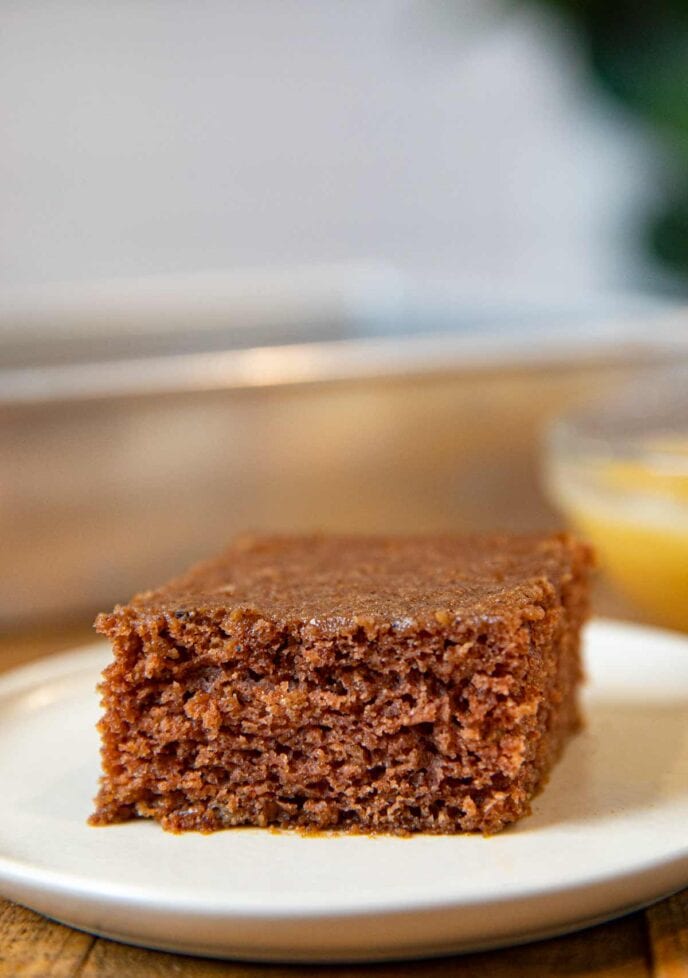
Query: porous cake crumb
362, 684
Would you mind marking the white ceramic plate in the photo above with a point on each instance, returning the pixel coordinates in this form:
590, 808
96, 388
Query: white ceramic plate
608, 834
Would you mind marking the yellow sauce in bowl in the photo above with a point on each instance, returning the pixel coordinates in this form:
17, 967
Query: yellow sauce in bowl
635, 513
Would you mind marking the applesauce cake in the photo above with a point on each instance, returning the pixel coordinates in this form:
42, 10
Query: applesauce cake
410, 684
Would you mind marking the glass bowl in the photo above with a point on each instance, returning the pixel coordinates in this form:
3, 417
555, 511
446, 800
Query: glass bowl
619, 471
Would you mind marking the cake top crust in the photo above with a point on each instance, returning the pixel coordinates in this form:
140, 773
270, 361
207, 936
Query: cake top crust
332, 581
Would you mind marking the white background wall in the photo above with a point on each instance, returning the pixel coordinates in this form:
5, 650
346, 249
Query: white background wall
456, 140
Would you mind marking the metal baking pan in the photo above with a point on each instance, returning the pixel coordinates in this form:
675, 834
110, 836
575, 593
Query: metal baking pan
123, 463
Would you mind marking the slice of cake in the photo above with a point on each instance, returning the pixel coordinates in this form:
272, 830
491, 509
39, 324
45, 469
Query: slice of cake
363, 684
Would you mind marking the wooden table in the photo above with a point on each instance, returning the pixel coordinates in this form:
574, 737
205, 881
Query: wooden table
652, 942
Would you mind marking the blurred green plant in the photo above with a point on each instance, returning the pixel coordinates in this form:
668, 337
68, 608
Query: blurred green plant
638, 50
